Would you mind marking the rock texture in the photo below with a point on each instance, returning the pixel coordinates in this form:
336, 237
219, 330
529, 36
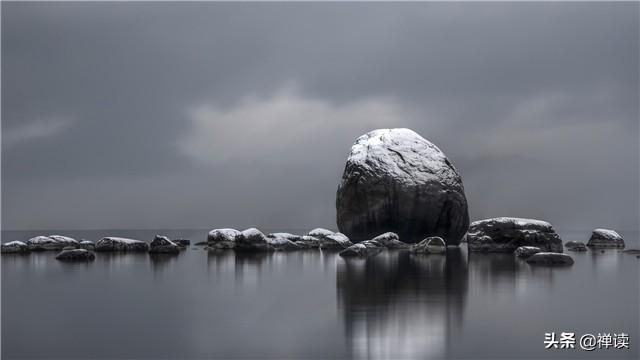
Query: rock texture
76, 255
603, 238
575, 246
255, 241
162, 245
182, 242
526, 251
362, 249
87, 245
51, 242
391, 241
506, 234
118, 244
328, 240
430, 245
222, 238
550, 259
395, 180
14, 247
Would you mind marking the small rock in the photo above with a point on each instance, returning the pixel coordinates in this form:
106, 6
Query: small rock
76, 255
14, 247
430, 245
162, 245
575, 246
391, 240
603, 238
121, 245
87, 245
329, 240
550, 259
631, 251
526, 251
362, 249
182, 242
222, 238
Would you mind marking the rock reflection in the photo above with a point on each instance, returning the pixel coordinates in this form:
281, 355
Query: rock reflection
397, 305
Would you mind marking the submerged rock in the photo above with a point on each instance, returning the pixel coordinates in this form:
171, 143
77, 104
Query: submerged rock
254, 240
362, 249
222, 238
14, 247
182, 242
526, 251
395, 180
119, 244
51, 242
604, 238
506, 234
632, 251
550, 259
162, 245
575, 246
76, 255
430, 245
391, 240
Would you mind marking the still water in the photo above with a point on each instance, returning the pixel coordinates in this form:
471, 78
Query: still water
311, 304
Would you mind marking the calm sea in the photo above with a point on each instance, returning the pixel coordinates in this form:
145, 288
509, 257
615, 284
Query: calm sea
311, 304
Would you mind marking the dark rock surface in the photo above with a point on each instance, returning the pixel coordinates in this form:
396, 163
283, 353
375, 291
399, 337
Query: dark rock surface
430, 245
391, 240
604, 238
253, 240
51, 242
526, 251
182, 242
506, 234
395, 180
162, 245
550, 259
632, 251
328, 239
222, 238
14, 247
87, 245
76, 255
118, 244
575, 246
362, 249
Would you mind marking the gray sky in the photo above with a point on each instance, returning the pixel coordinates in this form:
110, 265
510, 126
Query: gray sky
165, 115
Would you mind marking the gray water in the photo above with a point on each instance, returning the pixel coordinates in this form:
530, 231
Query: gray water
311, 304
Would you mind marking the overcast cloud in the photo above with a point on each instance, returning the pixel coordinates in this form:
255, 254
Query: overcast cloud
197, 115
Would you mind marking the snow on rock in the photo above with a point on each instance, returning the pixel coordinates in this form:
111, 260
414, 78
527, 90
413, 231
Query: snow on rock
526, 251
121, 244
320, 232
391, 240
220, 239
87, 245
51, 242
603, 238
162, 245
430, 245
506, 234
14, 247
395, 180
254, 240
365, 248
328, 240
288, 236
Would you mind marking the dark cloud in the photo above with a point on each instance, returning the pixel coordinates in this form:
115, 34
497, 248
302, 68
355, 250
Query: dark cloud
108, 108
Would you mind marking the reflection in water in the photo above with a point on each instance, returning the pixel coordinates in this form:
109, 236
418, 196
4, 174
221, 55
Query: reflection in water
160, 262
398, 305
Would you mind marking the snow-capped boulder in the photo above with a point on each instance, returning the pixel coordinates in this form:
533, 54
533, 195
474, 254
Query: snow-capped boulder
121, 244
308, 242
282, 235
329, 240
395, 180
222, 238
506, 234
391, 240
76, 255
604, 238
362, 249
162, 245
550, 259
430, 245
320, 232
87, 245
14, 247
254, 240
51, 242
575, 246
526, 251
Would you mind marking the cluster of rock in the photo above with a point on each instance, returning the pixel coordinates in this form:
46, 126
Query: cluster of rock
73, 250
253, 239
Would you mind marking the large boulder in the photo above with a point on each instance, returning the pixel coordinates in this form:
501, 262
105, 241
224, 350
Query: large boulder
76, 255
253, 240
118, 244
506, 234
14, 247
51, 242
222, 238
395, 180
362, 249
162, 245
603, 238
550, 259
